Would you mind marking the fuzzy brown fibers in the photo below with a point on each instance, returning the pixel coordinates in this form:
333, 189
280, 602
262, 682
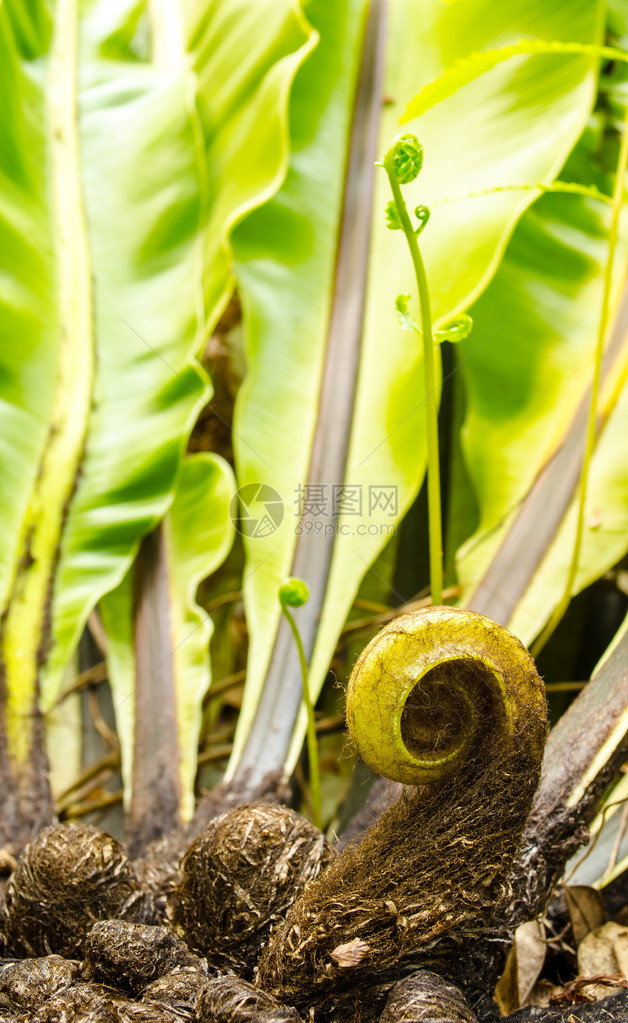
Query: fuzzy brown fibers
240, 877
147, 1012
128, 956
421, 886
87, 1003
158, 868
231, 1000
426, 998
68, 877
179, 990
29, 982
81, 1004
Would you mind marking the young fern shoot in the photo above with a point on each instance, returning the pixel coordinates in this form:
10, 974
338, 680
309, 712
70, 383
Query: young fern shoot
295, 593
402, 163
448, 703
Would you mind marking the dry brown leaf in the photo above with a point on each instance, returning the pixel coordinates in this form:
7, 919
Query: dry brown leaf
506, 992
350, 954
621, 953
523, 966
586, 909
598, 954
542, 993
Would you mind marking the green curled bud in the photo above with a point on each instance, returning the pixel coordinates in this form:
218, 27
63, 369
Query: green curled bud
406, 154
393, 220
457, 330
294, 593
422, 213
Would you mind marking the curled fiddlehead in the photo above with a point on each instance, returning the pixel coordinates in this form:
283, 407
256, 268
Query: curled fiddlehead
449, 703
431, 687
406, 158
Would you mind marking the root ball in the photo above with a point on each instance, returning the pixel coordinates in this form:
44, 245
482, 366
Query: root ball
82, 1004
240, 877
68, 877
179, 989
426, 998
231, 1000
89, 1003
29, 982
129, 956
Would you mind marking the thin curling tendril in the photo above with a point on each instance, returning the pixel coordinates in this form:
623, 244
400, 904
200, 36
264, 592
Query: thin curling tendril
449, 702
422, 214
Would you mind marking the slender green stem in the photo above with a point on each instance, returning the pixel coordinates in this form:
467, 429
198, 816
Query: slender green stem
431, 408
312, 742
618, 197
